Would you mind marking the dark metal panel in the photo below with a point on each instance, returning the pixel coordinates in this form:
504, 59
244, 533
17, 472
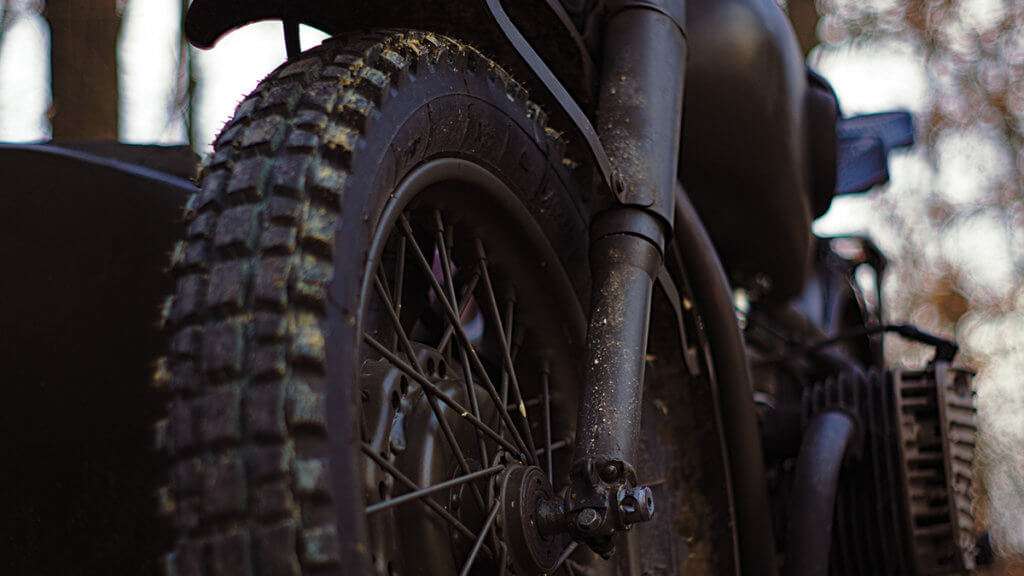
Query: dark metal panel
543, 23
744, 150
84, 244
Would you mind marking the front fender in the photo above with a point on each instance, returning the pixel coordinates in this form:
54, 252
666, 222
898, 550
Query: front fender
551, 34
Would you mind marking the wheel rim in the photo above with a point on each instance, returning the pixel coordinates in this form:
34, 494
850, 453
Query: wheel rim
467, 375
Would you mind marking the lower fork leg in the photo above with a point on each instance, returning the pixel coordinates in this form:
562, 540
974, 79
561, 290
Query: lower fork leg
604, 496
639, 119
609, 424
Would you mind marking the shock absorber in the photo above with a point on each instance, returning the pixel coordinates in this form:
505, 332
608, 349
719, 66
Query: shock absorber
639, 118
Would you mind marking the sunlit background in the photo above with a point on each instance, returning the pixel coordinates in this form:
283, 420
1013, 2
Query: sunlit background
950, 220
152, 65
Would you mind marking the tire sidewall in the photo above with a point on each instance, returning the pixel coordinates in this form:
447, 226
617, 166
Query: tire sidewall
457, 106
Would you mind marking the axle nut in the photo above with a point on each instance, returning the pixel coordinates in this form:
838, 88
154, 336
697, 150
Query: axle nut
636, 504
610, 472
588, 520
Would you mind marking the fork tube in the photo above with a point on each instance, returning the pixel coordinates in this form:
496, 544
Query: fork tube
609, 418
639, 120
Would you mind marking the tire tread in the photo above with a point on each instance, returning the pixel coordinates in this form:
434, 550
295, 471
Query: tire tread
246, 433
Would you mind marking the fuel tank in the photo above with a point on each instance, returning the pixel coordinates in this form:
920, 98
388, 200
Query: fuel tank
744, 153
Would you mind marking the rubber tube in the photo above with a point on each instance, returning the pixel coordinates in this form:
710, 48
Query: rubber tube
814, 493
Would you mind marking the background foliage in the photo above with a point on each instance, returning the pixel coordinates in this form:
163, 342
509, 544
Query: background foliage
952, 221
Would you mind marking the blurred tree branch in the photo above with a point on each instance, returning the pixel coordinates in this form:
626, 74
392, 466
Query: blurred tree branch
83, 64
186, 87
973, 59
5, 17
804, 16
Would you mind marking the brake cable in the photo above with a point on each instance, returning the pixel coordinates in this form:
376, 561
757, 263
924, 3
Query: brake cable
945, 349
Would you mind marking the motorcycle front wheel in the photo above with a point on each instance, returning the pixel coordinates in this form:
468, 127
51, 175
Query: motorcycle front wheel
378, 320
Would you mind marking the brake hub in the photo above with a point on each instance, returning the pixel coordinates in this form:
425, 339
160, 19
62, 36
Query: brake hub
530, 520
531, 527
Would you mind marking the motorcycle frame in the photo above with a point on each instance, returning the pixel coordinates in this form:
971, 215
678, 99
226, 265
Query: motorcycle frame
634, 151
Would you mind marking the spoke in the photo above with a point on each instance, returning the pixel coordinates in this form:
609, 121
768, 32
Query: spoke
555, 446
396, 323
565, 556
506, 355
509, 311
446, 268
503, 561
464, 302
434, 391
531, 403
464, 340
446, 429
470, 387
429, 502
504, 377
399, 283
417, 494
480, 539
468, 376
547, 423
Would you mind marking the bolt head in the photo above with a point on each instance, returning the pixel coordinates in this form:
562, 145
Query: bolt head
636, 504
611, 471
588, 519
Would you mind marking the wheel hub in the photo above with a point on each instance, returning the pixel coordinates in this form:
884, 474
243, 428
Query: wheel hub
528, 522
527, 501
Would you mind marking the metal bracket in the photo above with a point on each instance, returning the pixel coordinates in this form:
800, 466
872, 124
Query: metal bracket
291, 38
603, 499
671, 292
565, 101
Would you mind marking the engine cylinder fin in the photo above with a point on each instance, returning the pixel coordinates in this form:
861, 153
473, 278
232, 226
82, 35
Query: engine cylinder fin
904, 504
880, 497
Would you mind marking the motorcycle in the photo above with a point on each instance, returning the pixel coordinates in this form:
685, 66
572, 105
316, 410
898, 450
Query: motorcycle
530, 287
